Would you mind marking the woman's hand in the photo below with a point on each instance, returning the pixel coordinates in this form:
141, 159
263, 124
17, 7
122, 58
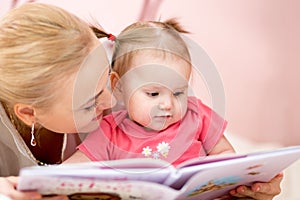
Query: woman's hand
8, 188
259, 191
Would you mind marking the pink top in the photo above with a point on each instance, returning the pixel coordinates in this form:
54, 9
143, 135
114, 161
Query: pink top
119, 138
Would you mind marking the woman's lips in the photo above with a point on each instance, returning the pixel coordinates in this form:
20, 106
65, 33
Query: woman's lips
98, 117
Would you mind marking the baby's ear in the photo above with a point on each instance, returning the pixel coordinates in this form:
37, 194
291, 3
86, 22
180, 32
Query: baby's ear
116, 86
114, 82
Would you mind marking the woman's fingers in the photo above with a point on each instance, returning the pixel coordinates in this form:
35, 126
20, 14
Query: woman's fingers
272, 187
259, 191
8, 188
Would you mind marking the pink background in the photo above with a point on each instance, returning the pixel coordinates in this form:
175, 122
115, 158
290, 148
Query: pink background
254, 44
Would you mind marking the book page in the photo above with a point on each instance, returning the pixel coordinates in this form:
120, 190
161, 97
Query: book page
149, 170
209, 159
113, 189
216, 179
187, 169
136, 178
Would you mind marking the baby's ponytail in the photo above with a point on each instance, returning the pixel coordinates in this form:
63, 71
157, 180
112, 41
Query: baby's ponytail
173, 23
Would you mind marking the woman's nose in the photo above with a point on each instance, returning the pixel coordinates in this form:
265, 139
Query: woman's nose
108, 100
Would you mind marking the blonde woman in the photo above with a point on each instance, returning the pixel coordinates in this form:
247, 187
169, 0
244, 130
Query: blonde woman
53, 77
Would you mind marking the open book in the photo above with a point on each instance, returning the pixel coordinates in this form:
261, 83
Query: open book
142, 178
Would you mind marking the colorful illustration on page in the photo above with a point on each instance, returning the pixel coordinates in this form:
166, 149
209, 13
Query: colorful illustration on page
215, 184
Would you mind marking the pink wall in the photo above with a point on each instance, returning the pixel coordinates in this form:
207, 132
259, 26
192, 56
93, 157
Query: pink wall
254, 45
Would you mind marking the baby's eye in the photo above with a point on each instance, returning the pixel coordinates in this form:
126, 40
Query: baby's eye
178, 93
152, 94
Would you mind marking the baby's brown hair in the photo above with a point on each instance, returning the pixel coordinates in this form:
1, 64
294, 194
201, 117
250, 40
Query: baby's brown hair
148, 35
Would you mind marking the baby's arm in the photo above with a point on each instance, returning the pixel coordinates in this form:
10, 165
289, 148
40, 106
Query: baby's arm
77, 157
223, 146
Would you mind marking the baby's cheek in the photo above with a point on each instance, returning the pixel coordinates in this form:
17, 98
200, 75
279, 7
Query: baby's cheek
141, 116
181, 109
145, 119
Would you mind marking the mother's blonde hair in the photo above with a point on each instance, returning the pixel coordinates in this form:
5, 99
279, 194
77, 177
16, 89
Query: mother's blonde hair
40, 45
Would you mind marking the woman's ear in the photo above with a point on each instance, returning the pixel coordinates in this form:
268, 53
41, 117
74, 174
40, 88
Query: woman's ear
25, 113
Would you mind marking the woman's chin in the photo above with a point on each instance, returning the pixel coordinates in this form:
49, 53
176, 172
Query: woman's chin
89, 128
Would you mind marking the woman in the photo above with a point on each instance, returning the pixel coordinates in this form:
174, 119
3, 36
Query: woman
53, 77
53, 72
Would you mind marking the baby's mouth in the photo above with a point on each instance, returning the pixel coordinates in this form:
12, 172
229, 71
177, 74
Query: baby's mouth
164, 116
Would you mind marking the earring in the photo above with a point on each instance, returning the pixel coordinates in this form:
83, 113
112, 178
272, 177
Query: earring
32, 141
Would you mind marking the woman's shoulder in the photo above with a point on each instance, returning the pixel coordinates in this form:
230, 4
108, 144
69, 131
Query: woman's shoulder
13, 154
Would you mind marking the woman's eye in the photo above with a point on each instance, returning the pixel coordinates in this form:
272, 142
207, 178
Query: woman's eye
152, 94
92, 107
178, 93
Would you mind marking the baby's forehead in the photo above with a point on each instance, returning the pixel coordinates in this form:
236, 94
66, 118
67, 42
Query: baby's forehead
157, 87
144, 56
154, 75
163, 64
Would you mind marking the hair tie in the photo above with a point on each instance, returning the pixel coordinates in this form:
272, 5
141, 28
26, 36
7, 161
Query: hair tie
111, 37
